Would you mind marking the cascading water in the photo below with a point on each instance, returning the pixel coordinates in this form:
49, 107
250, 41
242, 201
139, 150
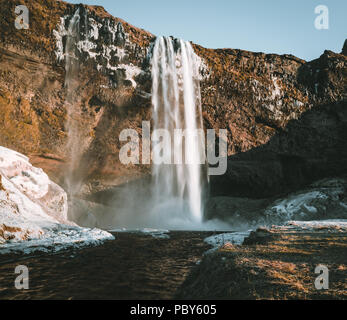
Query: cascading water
77, 127
71, 84
178, 185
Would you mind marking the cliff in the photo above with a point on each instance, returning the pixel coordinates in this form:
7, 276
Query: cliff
286, 118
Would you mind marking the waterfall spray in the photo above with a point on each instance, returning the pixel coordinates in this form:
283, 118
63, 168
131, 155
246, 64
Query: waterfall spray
71, 85
177, 105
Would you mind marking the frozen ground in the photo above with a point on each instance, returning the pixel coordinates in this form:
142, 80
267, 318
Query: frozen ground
33, 210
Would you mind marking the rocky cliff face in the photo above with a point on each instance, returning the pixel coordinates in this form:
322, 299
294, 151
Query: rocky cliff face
290, 131
286, 118
110, 86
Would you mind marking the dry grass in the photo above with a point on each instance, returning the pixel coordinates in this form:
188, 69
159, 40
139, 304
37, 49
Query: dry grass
282, 268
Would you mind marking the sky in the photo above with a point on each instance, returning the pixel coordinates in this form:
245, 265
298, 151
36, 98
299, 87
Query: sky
270, 26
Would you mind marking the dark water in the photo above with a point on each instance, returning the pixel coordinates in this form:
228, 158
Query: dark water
134, 266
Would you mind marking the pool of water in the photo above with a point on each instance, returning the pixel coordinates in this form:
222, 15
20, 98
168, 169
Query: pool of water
134, 266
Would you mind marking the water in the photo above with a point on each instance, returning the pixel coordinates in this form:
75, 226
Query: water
177, 186
71, 85
77, 125
176, 199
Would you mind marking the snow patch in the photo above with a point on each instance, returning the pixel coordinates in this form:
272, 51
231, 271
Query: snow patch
59, 34
58, 238
95, 26
87, 47
155, 233
131, 72
33, 210
276, 92
332, 225
323, 201
219, 240
106, 53
202, 71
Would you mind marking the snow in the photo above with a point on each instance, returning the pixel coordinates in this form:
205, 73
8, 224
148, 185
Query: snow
217, 241
331, 225
302, 205
202, 71
89, 46
30, 189
276, 92
131, 72
237, 238
94, 32
155, 233
33, 210
57, 238
298, 103
292, 204
59, 34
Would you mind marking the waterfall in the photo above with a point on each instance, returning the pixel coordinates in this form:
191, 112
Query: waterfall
71, 85
176, 100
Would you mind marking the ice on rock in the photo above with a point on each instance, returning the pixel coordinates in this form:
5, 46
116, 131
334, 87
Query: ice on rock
332, 225
33, 210
221, 239
321, 201
109, 51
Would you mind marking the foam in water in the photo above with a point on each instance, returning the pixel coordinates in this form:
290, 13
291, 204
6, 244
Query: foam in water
177, 188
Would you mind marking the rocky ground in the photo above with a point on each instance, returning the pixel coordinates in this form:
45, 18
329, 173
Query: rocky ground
275, 263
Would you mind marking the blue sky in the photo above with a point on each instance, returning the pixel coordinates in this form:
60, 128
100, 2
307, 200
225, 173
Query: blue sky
271, 26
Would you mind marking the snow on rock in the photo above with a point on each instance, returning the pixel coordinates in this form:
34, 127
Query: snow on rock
59, 34
155, 233
58, 238
333, 225
221, 239
93, 44
33, 209
323, 200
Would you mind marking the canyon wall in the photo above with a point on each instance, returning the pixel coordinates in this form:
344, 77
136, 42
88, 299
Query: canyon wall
286, 118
